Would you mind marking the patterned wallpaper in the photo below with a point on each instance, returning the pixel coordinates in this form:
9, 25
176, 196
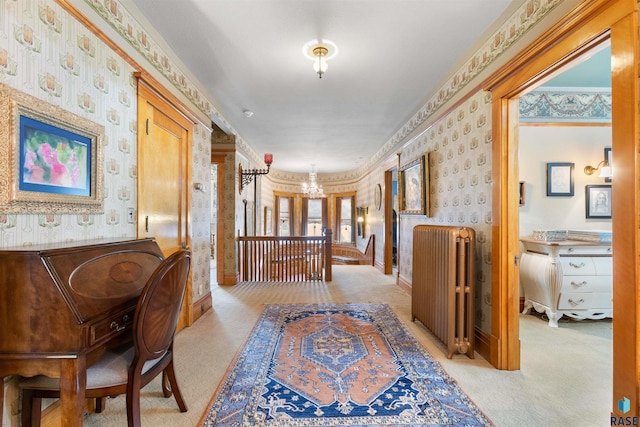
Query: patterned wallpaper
201, 212
459, 147
46, 53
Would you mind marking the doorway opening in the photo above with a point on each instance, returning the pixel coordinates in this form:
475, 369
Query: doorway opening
213, 274
564, 125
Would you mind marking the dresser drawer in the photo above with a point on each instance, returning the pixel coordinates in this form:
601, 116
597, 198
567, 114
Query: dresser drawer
586, 250
584, 300
111, 326
578, 266
586, 284
604, 265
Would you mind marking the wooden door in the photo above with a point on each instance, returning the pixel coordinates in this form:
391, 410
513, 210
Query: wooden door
163, 150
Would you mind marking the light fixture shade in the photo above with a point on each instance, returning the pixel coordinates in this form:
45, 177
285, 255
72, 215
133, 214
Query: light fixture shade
320, 65
605, 172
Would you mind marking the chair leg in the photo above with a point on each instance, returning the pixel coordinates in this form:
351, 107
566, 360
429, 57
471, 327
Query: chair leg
133, 401
31, 409
174, 386
166, 387
101, 403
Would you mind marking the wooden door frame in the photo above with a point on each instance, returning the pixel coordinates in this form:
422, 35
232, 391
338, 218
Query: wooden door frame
589, 24
388, 222
148, 93
218, 159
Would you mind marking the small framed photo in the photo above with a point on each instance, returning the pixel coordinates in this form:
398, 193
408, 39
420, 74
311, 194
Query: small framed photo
598, 201
609, 158
560, 179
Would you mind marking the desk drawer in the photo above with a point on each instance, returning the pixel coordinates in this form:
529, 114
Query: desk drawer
584, 300
586, 284
110, 327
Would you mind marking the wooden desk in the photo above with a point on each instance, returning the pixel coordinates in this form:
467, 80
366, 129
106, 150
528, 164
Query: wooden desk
63, 305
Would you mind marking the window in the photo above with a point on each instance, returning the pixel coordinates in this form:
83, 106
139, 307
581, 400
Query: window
284, 206
314, 216
345, 217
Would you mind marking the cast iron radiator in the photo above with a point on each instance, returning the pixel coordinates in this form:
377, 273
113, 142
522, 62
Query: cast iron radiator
443, 284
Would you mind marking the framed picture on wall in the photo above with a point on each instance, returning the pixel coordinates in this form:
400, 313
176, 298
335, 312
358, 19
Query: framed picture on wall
560, 179
413, 183
50, 159
598, 201
268, 221
609, 158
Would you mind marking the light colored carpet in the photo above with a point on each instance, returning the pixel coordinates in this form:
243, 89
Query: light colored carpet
565, 377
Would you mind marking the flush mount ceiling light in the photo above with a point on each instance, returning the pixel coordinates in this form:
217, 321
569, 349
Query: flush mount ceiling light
320, 51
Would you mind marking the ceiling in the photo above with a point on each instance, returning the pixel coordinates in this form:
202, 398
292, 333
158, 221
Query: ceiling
594, 70
393, 54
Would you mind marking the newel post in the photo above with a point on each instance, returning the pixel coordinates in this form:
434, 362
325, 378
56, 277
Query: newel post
328, 238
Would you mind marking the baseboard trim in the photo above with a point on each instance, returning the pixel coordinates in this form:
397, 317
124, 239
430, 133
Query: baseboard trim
404, 283
201, 306
484, 343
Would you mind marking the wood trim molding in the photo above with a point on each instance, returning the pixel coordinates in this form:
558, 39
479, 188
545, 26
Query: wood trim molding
201, 306
565, 124
404, 283
219, 159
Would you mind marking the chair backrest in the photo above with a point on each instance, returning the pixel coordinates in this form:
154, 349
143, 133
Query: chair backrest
158, 308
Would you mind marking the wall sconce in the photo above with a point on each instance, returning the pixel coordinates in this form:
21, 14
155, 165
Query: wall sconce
245, 177
603, 167
360, 219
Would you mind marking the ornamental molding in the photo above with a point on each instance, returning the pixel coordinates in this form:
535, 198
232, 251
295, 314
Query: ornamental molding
566, 105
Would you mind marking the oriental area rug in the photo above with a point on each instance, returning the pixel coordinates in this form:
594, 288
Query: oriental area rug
337, 365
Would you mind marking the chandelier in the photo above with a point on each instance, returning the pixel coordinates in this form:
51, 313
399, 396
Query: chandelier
312, 189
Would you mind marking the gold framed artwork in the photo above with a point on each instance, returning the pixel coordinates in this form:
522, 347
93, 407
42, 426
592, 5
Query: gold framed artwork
268, 221
413, 187
50, 159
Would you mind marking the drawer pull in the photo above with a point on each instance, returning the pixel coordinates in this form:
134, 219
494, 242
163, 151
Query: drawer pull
578, 302
574, 265
570, 250
578, 284
115, 326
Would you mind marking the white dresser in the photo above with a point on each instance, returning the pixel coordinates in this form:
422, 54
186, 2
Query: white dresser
568, 277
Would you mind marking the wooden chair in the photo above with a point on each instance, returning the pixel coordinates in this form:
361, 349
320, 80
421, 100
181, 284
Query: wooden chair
127, 369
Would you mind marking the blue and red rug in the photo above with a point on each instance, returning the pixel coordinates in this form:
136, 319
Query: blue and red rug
337, 365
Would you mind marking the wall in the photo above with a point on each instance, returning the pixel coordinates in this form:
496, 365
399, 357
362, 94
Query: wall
459, 147
455, 124
581, 145
87, 79
47, 53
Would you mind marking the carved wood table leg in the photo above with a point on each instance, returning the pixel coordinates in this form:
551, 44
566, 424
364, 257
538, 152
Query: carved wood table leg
73, 383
